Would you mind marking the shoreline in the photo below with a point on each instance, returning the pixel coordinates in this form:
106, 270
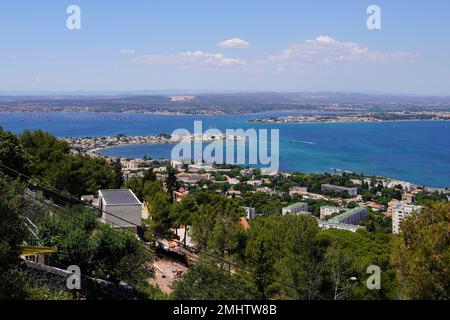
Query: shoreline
257, 121
97, 153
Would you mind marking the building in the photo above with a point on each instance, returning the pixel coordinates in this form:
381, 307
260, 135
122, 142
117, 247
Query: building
246, 172
244, 223
234, 193
199, 167
326, 211
193, 178
251, 213
399, 214
356, 182
298, 191
338, 226
351, 216
408, 198
180, 194
232, 181
254, 183
296, 208
120, 208
406, 186
179, 165
352, 192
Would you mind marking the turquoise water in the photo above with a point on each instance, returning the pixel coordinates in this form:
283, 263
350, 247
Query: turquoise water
413, 151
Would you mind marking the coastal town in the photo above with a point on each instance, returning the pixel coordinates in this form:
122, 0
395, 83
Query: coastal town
359, 117
91, 145
335, 206
337, 201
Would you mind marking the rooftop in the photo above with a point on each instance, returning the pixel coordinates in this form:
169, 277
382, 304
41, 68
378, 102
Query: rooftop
119, 197
295, 205
347, 213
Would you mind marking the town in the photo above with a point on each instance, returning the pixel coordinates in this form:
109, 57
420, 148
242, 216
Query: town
91, 145
359, 117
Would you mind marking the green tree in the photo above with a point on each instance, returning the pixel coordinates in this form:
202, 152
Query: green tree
13, 155
12, 234
149, 175
136, 185
215, 226
172, 182
99, 250
262, 265
421, 254
183, 211
118, 176
208, 282
161, 220
303, 264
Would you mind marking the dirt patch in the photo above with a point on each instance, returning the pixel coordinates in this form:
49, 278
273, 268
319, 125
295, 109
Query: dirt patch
166, 272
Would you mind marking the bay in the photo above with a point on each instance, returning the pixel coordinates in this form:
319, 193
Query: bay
415, 151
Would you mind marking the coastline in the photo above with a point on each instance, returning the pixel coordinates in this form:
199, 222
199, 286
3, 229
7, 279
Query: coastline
97, 153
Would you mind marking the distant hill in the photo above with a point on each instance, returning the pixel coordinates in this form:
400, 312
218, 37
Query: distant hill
220, 102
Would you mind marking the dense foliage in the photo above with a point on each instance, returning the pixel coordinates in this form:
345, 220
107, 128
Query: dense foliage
421, 254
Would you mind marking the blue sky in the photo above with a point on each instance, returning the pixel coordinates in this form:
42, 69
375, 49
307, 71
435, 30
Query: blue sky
272, 46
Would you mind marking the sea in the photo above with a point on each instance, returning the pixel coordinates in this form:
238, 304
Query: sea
414, 151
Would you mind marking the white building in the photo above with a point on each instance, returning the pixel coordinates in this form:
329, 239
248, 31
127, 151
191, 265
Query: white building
251, 213
351, 216
193, 178
179, 165
352, 192
326, 211
199, 166
254, 183
120, 208
400, 212
297, 208
356, 182
338, 226
298, 191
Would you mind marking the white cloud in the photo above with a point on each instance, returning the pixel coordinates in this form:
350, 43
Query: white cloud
127, 51
234, 43
195, 58
326, 51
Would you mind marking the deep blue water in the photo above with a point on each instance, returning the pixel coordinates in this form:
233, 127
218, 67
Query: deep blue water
413, 151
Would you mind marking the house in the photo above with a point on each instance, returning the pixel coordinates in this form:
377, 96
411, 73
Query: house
264, 190
198, 167
244, 223
356, 182
120, 208
232, 181
193, 178
246, 172
375, 206
177, 164
180, 194
296, 208
234, 193
254, 183
298, 191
